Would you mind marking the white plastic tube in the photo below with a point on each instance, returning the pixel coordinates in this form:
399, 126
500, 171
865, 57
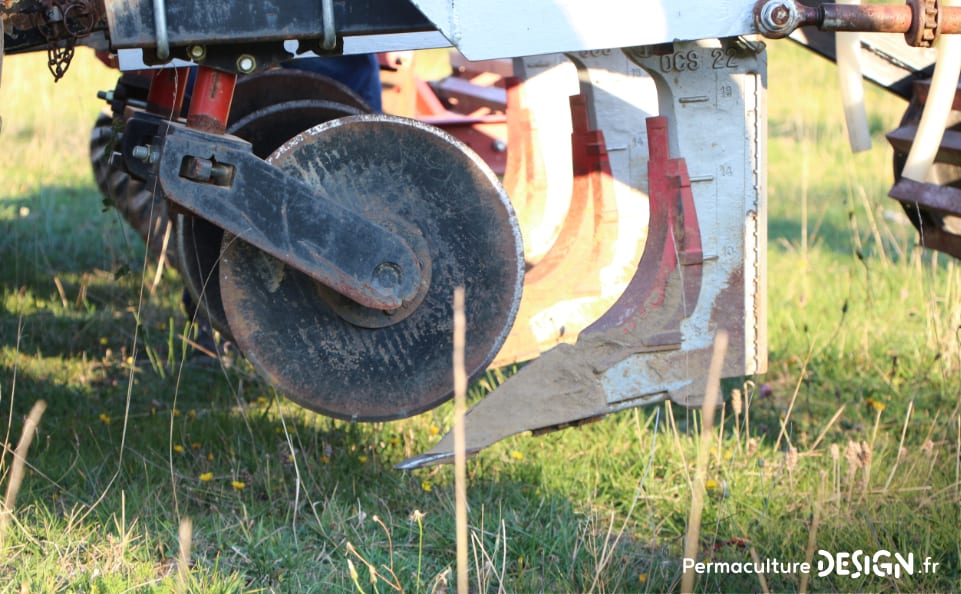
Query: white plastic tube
848, 47
944, 85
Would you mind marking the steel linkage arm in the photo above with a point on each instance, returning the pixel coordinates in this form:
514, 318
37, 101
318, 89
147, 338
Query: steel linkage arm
921, 21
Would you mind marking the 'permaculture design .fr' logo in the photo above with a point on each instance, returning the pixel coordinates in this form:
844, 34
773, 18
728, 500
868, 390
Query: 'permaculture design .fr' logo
857, 564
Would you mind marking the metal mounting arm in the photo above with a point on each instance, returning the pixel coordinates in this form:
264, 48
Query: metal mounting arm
921, 21
217, 177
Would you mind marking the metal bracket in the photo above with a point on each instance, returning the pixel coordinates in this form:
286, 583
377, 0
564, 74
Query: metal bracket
218, 178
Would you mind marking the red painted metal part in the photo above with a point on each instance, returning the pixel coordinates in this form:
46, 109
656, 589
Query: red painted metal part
585, 245
211, 99
673, 248
525, 174
166, 94
471, 112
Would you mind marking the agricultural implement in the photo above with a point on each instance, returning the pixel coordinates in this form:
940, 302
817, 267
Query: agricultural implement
624, 228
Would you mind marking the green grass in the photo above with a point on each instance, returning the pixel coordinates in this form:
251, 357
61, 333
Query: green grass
293, 500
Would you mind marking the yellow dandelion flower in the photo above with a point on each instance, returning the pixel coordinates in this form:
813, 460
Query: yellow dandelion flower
426, 486
103, 340
394, 441
192, 414
642, 579
179, 448
261, 400
153, 410
176, 412
104, 418
878, 405
195, 445
362, 459
711, 485
324, 460
515, 455
433, 430
206, 477
238, 485
210, 456
129, 360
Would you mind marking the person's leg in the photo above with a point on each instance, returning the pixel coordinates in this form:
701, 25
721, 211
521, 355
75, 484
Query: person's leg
359, 72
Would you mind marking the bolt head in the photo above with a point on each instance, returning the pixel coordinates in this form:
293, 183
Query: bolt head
386, 276
246, 64
141, 152
776, 18
780, 16
198, 169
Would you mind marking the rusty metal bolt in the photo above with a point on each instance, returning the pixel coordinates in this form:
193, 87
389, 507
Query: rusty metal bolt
925, 23
776, 18
197, 169
222, 175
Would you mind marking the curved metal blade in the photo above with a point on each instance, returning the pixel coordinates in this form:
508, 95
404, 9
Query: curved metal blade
595, 252
570, 384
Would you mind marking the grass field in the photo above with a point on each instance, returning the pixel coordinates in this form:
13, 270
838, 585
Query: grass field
141, 452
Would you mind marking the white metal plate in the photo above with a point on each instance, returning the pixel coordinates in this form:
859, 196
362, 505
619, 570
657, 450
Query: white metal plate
509, 28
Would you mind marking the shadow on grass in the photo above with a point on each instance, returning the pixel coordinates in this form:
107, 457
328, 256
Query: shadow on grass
276, 500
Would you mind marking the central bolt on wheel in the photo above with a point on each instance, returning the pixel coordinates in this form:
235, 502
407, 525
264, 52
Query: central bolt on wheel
336, 357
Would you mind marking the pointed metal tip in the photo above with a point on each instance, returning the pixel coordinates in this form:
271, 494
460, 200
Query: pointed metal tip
424, 460
431, 458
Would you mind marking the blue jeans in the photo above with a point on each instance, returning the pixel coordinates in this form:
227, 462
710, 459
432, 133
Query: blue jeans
360, 72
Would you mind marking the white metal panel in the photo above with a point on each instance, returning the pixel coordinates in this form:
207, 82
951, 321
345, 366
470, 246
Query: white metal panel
713, 95
508, 28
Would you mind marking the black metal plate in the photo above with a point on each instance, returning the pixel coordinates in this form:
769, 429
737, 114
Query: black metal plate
205, 22
407, 175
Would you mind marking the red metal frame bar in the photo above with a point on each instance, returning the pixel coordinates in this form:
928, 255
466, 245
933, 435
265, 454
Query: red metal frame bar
166, 93
210, 103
